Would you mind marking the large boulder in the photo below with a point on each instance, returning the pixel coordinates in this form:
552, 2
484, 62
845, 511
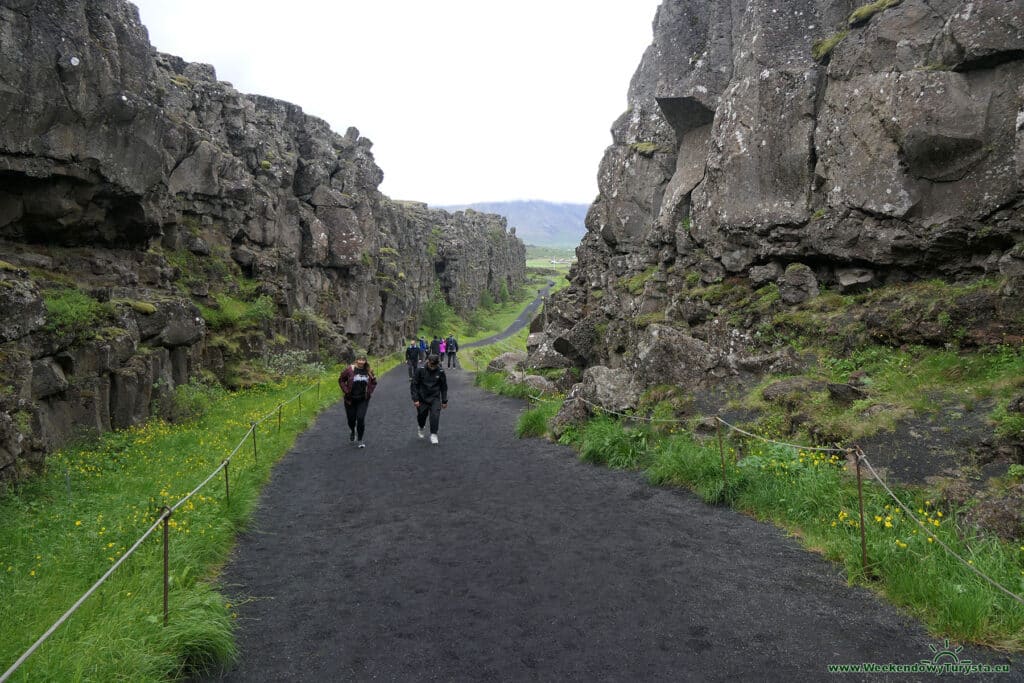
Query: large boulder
666, 355
21, 307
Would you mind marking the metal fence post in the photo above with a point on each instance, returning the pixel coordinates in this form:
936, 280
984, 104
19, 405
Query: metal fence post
227, 485
255, 457
721, 455
167, 517
860, 501
279, 417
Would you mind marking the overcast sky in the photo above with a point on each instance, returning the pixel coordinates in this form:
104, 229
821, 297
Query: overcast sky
464, 100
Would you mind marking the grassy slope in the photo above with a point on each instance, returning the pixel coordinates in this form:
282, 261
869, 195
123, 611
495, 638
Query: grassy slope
65, 529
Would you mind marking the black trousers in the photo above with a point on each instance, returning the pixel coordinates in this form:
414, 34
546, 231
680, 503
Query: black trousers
412, 367
356, 413
451, 359
433, 408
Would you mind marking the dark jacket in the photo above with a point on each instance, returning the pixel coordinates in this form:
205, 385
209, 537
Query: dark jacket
412, 354
354, 383
435, 345
453, 345
427, 384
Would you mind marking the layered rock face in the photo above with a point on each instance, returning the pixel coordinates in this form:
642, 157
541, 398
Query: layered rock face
820, 145
155, 190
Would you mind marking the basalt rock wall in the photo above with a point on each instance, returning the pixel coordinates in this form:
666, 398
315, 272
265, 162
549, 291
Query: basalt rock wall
161, 194
812, 145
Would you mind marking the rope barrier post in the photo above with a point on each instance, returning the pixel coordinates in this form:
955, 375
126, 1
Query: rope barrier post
721, 454
167, 516
300, 401
255, 458
318, 390
860, 501
227, 485
279, 405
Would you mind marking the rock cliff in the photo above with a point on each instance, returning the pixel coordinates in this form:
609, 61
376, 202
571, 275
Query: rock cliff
775, 153
156, 224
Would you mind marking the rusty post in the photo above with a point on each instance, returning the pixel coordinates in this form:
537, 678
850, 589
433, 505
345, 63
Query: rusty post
255, 457
227, 484
860, 500
279, 417
167, 517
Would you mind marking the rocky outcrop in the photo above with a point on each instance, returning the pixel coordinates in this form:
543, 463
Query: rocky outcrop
784, 152
167, 199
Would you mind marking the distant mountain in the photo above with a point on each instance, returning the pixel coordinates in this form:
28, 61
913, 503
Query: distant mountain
544, 224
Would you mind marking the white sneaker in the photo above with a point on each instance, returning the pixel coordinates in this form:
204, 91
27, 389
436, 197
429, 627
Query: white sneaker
433, 439
362, 445
419, 433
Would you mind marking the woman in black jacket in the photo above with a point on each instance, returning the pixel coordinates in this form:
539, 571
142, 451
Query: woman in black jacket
357, 382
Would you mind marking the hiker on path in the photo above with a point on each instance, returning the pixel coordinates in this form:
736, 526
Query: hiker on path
441, 349
412, 357
423, 349
451, 347
357, 382
435, 345
429, 389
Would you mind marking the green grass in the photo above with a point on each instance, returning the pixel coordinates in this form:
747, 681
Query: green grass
812, 494
72, 311
821, 49
534, 422
232, 313
476, 359
64, 529
865, 12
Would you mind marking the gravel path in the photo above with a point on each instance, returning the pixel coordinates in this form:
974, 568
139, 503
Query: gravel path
493, 558
519, 323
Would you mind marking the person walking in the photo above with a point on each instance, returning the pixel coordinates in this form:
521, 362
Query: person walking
429, 389
412, 357
423, 349
435, 345
441, 349
451, 347
357, 383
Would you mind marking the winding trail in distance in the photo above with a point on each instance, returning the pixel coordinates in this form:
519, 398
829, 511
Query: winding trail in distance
519, 323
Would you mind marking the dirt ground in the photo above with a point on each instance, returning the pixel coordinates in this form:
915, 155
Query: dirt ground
488, 557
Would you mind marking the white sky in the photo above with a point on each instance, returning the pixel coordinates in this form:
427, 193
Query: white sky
464, 100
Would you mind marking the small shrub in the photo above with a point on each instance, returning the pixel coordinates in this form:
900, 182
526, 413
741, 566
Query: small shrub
292, 364
69, 310
864, 13
823, 48
191, 401
646, 149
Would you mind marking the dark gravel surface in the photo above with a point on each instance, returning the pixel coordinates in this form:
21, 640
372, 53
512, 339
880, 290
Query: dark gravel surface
493, 558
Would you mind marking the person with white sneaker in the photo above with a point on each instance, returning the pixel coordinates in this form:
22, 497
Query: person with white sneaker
357, 383
429, 389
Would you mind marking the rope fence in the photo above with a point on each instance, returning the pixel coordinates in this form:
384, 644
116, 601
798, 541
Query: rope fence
163, 520
854, 453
